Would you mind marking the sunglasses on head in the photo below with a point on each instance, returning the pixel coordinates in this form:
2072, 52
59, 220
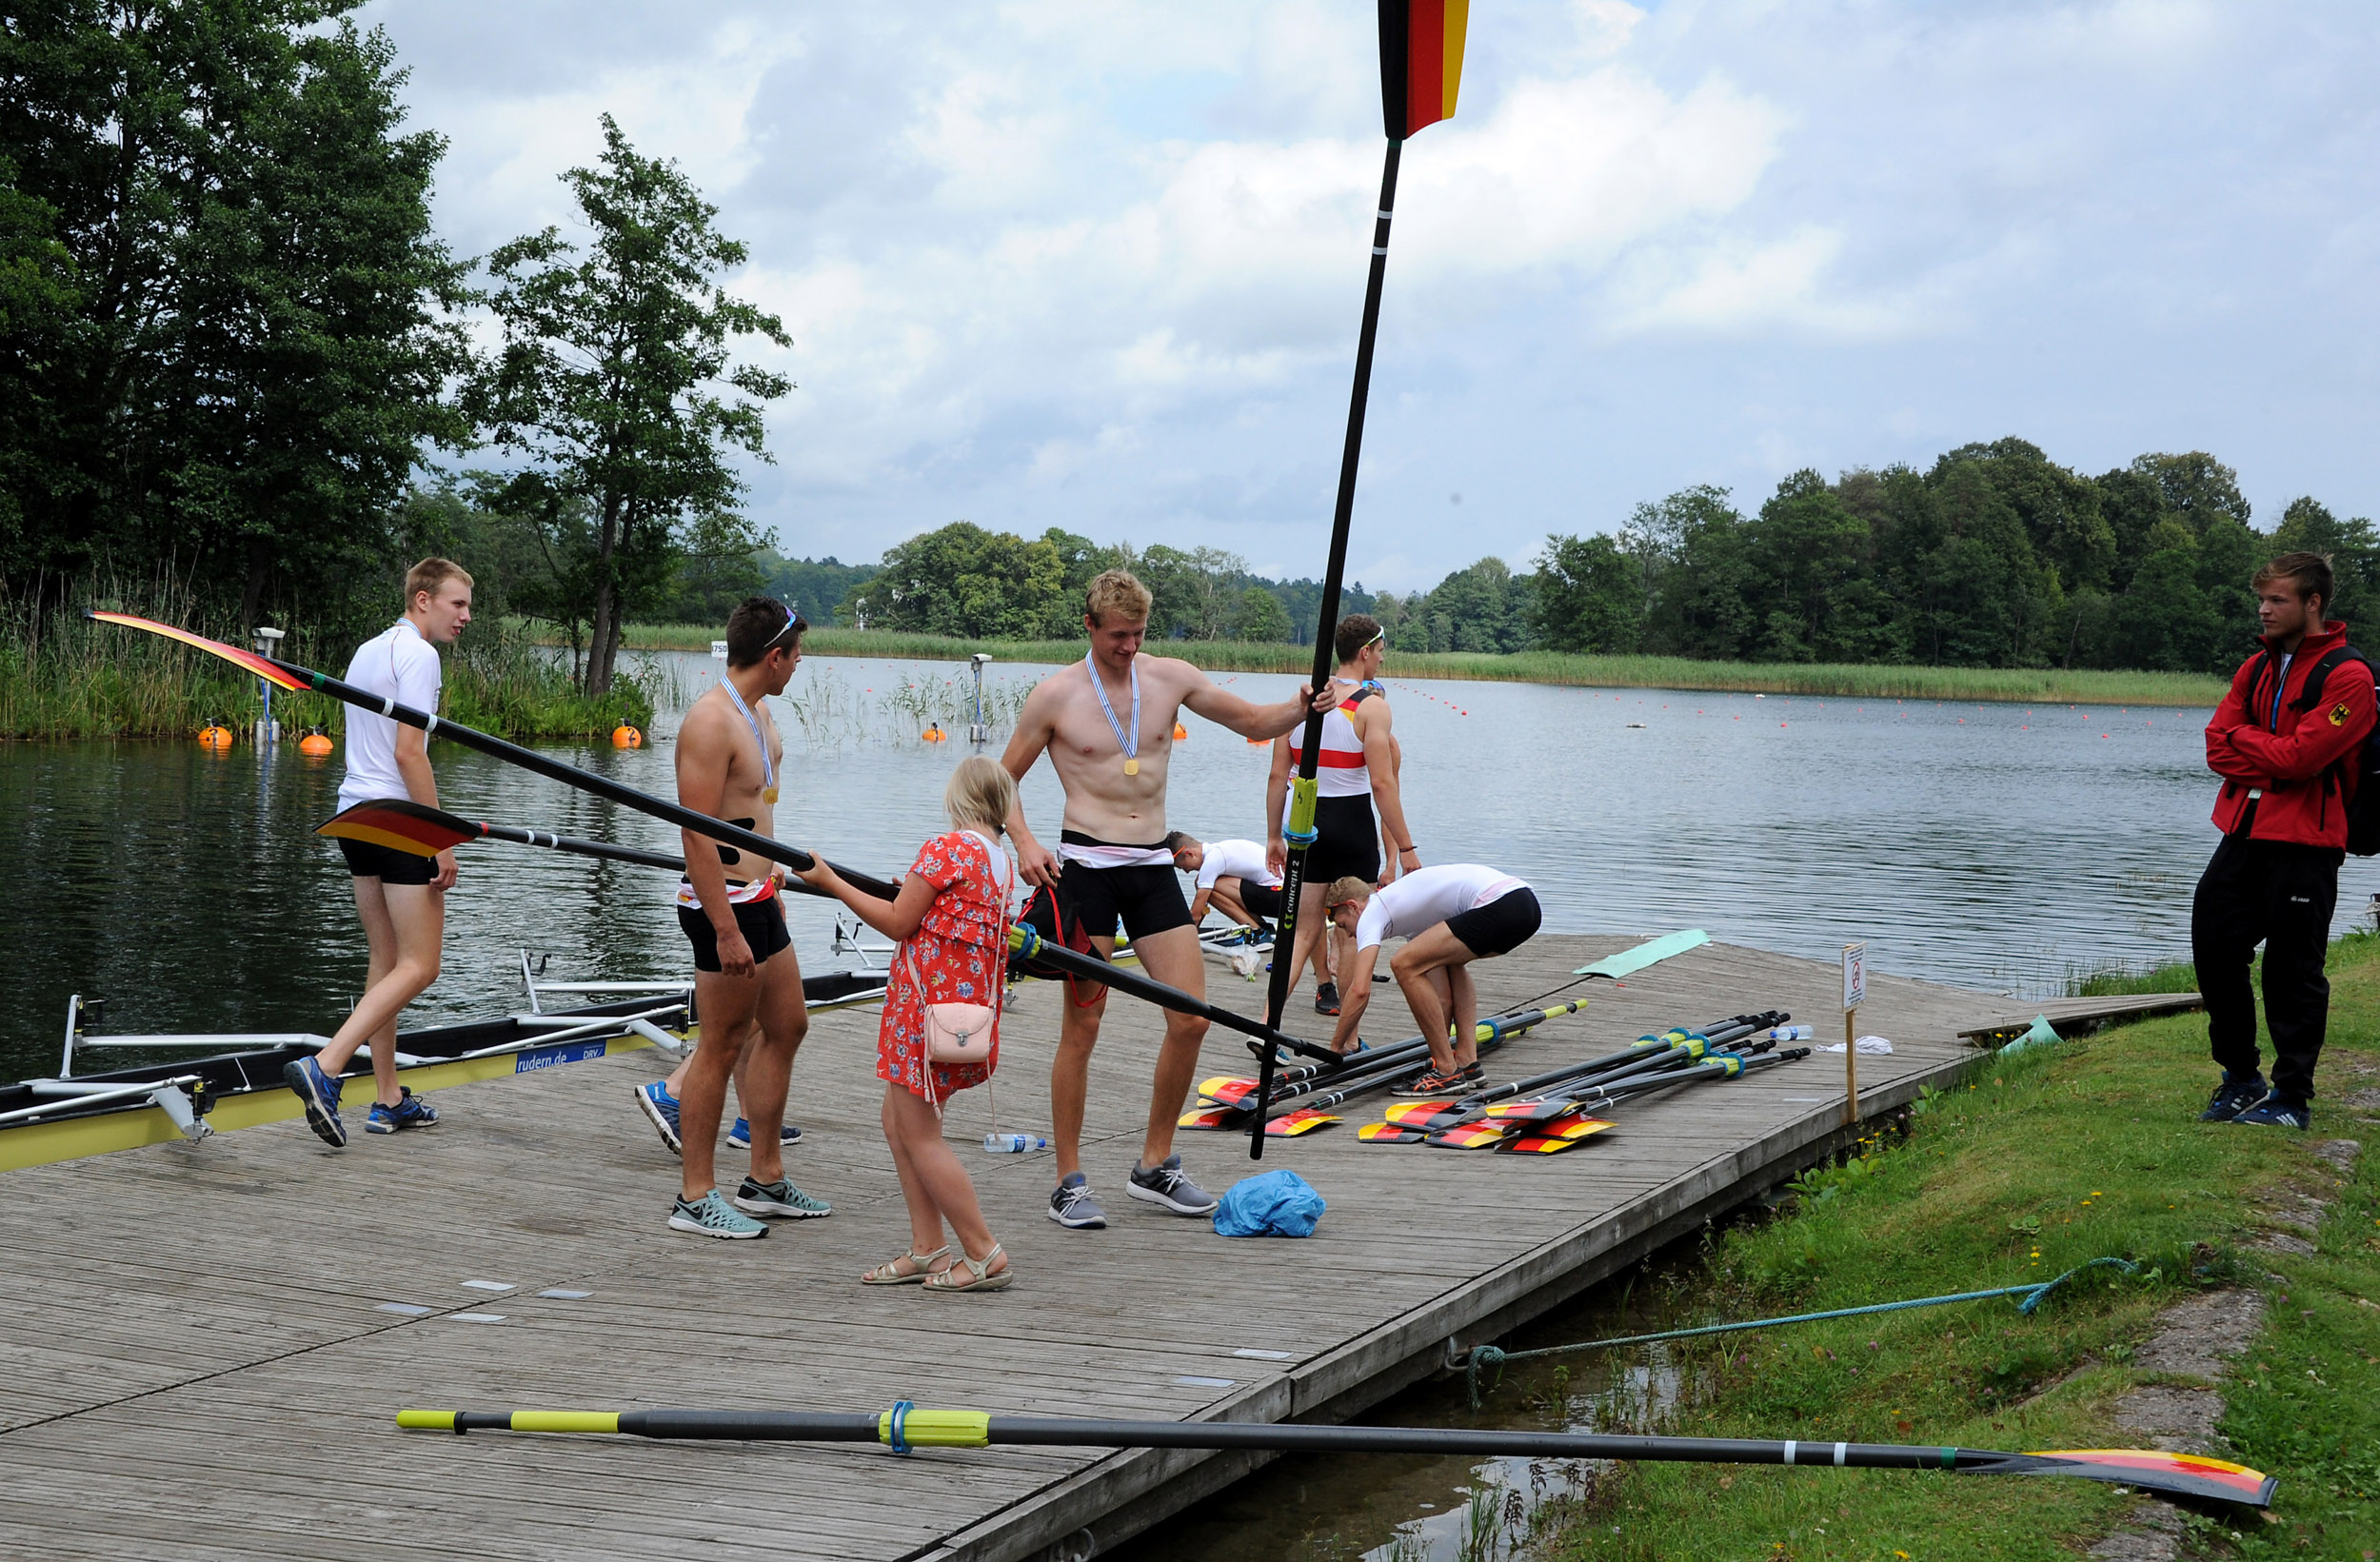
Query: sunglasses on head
793, 622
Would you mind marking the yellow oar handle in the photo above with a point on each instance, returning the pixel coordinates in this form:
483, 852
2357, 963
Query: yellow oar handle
906, 1427
519, 1420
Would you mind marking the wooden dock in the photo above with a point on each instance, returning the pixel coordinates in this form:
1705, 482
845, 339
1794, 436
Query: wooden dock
201, 1359
2073, 1016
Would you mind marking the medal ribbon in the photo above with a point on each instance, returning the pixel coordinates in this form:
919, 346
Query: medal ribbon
768, 771
1129, 742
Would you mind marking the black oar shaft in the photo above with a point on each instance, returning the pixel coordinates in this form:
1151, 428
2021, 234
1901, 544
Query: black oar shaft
1028, 943
1326, 630
570, 775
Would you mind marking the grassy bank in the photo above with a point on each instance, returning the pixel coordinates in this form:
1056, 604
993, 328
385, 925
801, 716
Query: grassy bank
2032, 1167
68, 677
1665, 672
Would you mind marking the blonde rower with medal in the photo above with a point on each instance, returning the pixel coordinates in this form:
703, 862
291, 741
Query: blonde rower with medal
1108, 730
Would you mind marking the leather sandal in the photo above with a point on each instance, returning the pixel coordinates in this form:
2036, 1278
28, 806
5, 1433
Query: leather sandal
890, 1272
984, 1279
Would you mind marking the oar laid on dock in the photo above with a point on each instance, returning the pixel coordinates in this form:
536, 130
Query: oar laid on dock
906, 1427
289, 675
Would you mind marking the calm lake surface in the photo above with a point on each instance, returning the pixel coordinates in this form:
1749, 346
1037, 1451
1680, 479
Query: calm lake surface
1998, 846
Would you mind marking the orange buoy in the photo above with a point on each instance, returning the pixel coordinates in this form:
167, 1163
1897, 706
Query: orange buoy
214, 735
1181, 732
316, 745
625, 736
934, 734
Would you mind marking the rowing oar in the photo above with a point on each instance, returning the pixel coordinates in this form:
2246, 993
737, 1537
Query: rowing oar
1649, 1051
1580, 1114
1234, 1095
401, 824
289, 675
904, 1427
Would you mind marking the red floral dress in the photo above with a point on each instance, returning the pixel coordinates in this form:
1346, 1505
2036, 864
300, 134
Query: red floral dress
957, 955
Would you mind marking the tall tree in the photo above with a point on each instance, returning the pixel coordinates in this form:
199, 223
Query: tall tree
1589, 596
615, 374
225, 329
962, 580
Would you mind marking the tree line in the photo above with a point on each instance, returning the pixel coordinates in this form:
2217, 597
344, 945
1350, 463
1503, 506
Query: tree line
228, 337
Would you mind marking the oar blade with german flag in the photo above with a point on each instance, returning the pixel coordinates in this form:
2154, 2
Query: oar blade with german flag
400, 825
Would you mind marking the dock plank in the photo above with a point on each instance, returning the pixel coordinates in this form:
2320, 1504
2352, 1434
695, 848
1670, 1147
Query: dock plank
193, 1361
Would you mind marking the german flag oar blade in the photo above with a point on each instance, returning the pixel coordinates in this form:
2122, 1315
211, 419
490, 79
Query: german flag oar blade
1213, 1116
1389, 1132
233, 654
1290, 1124
401, 824
2176, 1474
1468, 1135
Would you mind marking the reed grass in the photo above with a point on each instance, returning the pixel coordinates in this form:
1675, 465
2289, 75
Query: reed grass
64, 678
1831, 680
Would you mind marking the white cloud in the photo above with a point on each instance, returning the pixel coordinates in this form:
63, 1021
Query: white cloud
1099, 264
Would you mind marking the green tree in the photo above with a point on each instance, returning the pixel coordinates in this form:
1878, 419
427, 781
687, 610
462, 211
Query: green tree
614, 375
1804, 548
1700, 606
1590, 596
1260, 617
964, 581
2195, 487
1195, 589
224, 334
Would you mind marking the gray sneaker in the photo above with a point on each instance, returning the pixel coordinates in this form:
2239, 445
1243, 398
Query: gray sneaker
1072, 1208
779, 1198
711, 1216
1166, 1183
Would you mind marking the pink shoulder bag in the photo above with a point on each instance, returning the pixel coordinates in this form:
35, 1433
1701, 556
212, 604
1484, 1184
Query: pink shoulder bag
962, 1033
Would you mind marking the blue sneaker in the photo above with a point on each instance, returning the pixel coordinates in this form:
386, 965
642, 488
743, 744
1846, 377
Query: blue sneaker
2278, 1111
319, 1093
409, 1112
740, 1136
711, 1216
661, 1108
2233, 1096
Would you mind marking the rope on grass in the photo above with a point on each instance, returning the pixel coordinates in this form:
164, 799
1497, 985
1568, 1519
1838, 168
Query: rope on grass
1481, 1356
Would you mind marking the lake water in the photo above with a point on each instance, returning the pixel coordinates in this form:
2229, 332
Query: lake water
1999, 846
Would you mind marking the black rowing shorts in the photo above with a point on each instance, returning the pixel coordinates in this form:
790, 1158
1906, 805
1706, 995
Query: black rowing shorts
1347, 842
1261, 900
367, 860
762, 922
1500, 926
1146, 899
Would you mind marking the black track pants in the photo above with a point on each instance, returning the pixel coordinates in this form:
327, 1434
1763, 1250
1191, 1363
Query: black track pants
2280, 895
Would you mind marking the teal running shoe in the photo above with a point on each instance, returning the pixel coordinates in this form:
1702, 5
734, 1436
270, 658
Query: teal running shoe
781, 1201
711, 1216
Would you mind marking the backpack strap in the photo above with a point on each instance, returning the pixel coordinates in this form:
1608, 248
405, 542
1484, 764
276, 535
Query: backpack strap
2311, 696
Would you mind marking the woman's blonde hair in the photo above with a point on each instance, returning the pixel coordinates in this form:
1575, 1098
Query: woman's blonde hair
1344, 890
981, 792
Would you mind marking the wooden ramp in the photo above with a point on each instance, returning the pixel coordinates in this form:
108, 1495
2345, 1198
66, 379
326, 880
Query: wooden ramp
2070, 1016
197, 1358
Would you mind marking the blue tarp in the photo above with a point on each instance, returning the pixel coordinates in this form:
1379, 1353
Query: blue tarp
1269, 1204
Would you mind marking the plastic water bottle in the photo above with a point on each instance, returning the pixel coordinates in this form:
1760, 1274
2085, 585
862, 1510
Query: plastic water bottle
1013, 1145
1792, 1033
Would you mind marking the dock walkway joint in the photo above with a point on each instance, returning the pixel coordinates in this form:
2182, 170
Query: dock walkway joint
205, 1345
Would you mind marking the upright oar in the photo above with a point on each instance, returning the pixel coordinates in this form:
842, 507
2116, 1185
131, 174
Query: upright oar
906, 1427
289, 675
1420, 67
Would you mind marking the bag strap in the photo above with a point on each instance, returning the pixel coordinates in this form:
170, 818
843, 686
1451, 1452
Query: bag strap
2310, 695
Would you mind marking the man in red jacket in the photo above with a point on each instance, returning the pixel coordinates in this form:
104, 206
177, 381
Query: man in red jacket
2287, 772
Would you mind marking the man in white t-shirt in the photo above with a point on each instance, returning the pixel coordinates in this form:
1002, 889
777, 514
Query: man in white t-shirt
1232, 875
401, 897
1449, 916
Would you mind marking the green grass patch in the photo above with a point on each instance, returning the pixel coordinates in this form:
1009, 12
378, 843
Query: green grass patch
63, 676
2032, 1166
2007, 685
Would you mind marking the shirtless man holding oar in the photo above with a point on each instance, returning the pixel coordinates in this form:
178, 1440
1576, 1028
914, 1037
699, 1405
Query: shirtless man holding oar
1108, 728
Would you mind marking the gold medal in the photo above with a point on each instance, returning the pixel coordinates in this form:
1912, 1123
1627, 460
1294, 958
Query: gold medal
1132, 767
768, 794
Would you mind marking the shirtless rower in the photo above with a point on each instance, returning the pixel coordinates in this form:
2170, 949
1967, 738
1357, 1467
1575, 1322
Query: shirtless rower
1108, 729
1449, 916
1359, 766
748, 985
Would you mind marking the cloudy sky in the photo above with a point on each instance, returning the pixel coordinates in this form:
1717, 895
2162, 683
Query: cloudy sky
1098, 263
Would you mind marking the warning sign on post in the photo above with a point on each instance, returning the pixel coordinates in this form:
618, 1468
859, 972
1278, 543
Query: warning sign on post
1854, 975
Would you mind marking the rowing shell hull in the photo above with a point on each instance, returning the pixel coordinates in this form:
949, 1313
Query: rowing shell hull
246, 1088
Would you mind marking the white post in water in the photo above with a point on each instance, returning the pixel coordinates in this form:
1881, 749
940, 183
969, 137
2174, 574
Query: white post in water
267, 644
1855, 994
978, 734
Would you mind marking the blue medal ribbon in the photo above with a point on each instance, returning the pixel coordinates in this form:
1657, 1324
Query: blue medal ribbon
1129, 742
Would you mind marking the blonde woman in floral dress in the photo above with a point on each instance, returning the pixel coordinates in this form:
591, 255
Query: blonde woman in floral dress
951, 922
